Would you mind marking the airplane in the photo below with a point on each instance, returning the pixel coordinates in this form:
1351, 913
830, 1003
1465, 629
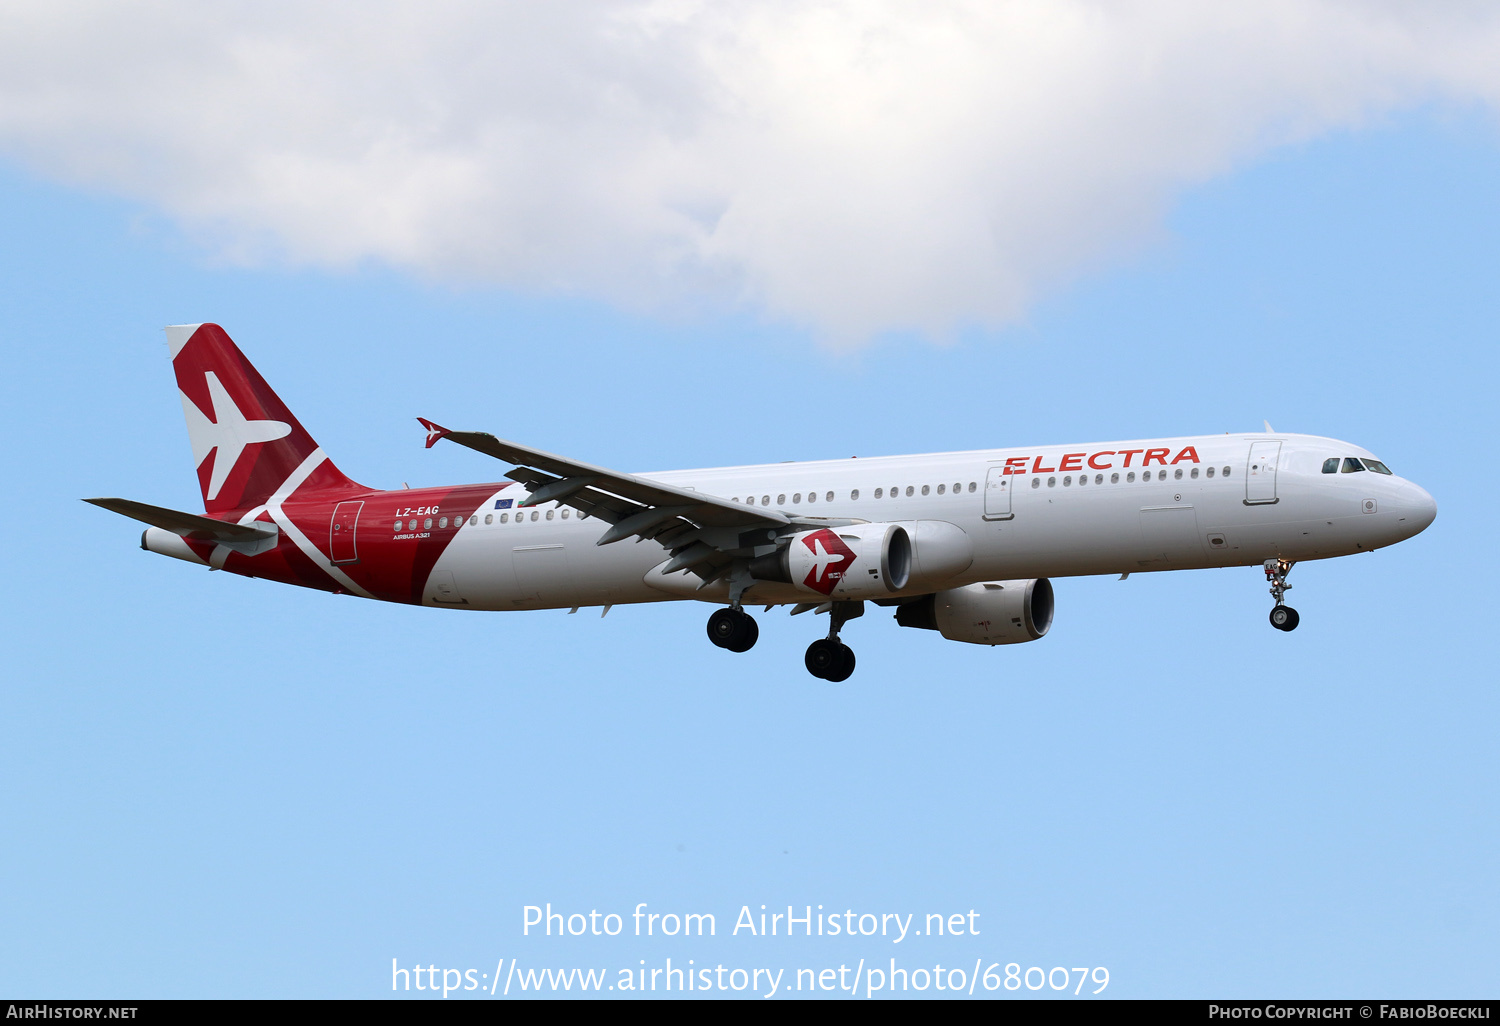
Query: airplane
963, 543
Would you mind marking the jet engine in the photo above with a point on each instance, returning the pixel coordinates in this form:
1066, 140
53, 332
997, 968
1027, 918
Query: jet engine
863, 561
992, 613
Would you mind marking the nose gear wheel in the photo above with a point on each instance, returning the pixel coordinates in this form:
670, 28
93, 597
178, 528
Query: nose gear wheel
1283, 616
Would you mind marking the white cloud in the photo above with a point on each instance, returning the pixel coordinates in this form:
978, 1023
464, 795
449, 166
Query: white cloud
854, 165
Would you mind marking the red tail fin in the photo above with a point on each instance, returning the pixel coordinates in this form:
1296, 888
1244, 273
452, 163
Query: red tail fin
246, 443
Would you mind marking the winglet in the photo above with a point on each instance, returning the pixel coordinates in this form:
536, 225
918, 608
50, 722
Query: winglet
435, 432
1269, 429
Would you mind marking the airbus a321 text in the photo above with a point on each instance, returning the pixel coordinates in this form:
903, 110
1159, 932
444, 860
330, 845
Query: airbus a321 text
963, 543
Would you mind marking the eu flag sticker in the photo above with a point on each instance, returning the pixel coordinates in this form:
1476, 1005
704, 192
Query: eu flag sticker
503, 503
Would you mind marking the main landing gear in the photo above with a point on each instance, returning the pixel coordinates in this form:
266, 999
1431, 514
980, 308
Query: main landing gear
1283, 617
733, 629
829, 658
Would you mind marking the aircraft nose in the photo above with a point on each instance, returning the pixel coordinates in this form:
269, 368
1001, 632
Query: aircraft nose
1421, 508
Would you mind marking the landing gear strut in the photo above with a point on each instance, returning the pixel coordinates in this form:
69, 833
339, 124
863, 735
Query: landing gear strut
1283, 617
733, 629
829, 658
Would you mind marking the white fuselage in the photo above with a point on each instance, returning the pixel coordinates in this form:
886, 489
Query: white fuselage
1050, 511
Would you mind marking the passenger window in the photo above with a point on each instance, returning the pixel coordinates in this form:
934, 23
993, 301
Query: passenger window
1210, 471
549, 514
1036, 482
505, 518
1067, 480
489, 518
1051, 482
942, 488
972, 486
1098, 479
399, 523
1083, 479
765, 500
879, 493
1176, 473
910, 491
1195, 473
926, 489
427, 524
1114, 479
797, 498
1130, 478
411, 525
1226, 471
1331, 465
781, 499
533, 516
1352, 466
828, 497
812, 496
854, 494
443, 522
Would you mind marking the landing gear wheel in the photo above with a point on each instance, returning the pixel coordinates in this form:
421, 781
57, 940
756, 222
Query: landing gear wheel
733, 629
846, 665
830, 660
1284, 618
747, 639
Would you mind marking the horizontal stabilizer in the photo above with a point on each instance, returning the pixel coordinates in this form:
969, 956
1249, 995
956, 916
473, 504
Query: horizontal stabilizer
189, 525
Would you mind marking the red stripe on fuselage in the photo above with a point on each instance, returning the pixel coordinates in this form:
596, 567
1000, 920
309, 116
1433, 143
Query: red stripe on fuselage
391, 565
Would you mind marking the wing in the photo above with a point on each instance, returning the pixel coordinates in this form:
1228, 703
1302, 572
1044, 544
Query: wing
705, 533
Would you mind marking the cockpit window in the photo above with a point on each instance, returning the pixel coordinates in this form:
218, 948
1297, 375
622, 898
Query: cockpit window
1331, 465
1377, 466
1352, 465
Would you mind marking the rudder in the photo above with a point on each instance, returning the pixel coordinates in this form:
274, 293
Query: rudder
247, 445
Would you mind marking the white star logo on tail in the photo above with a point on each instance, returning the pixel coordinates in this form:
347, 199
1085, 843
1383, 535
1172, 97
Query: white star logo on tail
229, 432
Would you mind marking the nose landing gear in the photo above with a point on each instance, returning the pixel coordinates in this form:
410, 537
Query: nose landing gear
1283, 617
829, 658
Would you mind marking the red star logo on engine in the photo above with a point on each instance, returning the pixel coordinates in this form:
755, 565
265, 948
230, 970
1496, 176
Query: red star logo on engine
831, 557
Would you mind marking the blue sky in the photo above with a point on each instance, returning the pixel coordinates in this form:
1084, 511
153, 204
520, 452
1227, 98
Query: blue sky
223, 787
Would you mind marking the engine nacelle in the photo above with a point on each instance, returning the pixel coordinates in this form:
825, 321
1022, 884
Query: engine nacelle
940, 552
862, 561
992, 613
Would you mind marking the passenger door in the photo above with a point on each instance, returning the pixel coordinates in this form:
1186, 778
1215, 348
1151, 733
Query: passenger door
1260, 473
997, 489
341, 547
